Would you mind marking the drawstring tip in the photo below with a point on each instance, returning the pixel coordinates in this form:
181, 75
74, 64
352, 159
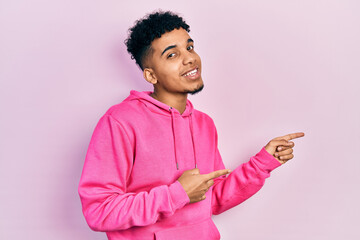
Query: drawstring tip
195, 165
177, 166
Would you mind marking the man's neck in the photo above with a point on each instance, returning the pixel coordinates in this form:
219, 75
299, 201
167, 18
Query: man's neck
177, 101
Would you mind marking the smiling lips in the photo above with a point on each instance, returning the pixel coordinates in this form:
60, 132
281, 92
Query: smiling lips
192, 74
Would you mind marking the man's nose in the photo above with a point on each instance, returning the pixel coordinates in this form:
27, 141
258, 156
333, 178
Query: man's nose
189, 58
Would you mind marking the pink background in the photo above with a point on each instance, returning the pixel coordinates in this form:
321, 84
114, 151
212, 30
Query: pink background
270, 68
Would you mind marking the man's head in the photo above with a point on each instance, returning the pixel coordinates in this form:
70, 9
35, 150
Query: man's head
149, 28
162, 47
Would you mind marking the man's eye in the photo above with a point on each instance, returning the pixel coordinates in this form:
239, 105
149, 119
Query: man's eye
171, 55
190, 47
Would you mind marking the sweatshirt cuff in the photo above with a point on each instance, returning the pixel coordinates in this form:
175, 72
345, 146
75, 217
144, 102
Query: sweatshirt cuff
266, 161
178, 195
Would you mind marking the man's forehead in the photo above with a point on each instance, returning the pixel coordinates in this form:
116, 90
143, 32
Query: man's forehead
174, 37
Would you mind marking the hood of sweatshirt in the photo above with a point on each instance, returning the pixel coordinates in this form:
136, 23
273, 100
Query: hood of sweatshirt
158, 107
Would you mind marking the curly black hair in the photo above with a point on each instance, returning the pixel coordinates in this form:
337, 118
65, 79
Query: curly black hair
147, 29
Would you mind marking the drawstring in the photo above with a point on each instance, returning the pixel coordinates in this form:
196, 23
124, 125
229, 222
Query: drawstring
192, 138
173, 131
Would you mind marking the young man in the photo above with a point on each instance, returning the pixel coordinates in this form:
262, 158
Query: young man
153, 169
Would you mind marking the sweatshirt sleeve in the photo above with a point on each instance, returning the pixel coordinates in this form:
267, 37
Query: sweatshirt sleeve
241, 183
106, 203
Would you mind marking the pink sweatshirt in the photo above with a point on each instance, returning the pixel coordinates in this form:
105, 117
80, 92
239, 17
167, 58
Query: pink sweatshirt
138, 150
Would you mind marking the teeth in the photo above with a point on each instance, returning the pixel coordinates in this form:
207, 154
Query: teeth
193, 72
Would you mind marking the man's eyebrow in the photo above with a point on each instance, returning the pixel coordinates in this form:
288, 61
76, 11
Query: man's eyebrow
169, 47
174, 46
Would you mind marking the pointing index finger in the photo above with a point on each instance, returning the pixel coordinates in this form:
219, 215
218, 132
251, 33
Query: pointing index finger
216, 174
295, 135
291, 136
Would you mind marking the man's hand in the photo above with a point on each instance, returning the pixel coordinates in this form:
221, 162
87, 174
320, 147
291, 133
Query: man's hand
196, 184
281, 148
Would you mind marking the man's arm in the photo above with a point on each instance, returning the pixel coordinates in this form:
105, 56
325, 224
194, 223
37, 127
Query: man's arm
249, 177
243, 182
107, 206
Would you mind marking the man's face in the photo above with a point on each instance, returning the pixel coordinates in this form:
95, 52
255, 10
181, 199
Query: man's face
175, 63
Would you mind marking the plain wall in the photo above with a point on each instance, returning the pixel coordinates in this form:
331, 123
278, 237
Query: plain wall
270, 68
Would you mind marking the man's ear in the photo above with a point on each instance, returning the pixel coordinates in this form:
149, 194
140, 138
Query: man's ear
150, 76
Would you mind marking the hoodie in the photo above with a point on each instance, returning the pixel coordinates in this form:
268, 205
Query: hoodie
139, 148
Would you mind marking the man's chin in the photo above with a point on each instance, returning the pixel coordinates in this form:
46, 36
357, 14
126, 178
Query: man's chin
196, 90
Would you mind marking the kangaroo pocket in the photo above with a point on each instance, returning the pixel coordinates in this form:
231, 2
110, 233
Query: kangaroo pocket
198, 231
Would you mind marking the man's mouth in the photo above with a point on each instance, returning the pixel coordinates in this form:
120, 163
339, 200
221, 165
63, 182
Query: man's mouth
191, 73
